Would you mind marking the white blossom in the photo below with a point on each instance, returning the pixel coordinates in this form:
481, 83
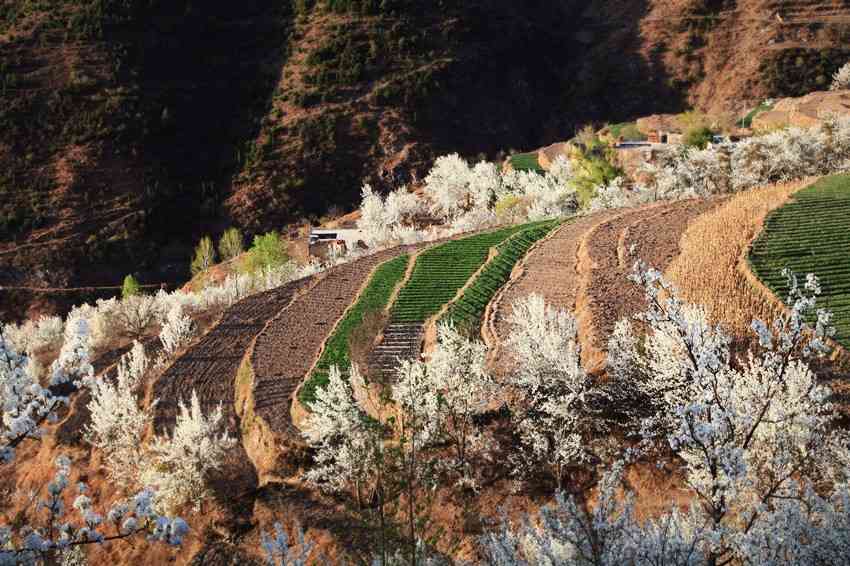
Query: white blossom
776, 157
841, 78
118, 422
25, 404
554, 411
60, 537
176, 332
572, 531
459, 387
177, 466
346, 440
447, 186
385, 222
746, 433
279, 551
33, 336
133, 315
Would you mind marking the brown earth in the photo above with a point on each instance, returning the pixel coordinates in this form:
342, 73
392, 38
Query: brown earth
280, 333
209, 366
550, 270
805, 111
584, 269
650, 234
290, 343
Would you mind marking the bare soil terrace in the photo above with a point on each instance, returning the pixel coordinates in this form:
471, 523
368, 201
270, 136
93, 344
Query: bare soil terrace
584, 268
650, 234
290, 343
210, 365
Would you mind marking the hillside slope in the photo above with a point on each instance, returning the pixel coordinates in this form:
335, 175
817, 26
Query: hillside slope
131, 127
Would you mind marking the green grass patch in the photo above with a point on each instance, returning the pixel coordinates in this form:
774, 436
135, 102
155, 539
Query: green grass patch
468, 310
526, 162
747, 121
811, 234
441, 271
336, 352
628, 130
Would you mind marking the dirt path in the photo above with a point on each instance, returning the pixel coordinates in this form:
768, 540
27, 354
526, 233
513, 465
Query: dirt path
287, 347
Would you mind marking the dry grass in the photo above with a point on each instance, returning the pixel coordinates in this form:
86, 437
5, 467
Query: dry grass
363, 337
712, 269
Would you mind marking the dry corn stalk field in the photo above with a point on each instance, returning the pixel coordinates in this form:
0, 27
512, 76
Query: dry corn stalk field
711, 268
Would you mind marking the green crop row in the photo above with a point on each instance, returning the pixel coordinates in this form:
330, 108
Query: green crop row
336, 352
441, 271
811, 234
526, 162
467, 311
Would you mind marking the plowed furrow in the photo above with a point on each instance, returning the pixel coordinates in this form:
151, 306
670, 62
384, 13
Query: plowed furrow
550, 270
651, 234
209, 366
289, 345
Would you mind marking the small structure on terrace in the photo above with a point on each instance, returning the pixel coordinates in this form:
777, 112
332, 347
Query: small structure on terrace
321, 239
661, 129
546, 156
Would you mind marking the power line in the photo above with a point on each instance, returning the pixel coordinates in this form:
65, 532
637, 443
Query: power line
77, 289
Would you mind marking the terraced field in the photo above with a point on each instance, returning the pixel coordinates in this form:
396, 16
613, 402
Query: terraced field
441, 271
290, 343
550, 270
811, 234
438, 275
375, 297
584, 269
210, 365
526, 162
468, 310
651, 234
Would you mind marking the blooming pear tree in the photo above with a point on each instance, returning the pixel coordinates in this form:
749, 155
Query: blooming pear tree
451, 189
281, 552
462, 386
54, 532
26, 404
572, 531
614, 195
118, 422
387, 221
749, 433
348, 443
356, 453
176, 332
51, 533
556, 398
776, 157
177, 466
134, 314
467, 197
34, 335
548, 195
